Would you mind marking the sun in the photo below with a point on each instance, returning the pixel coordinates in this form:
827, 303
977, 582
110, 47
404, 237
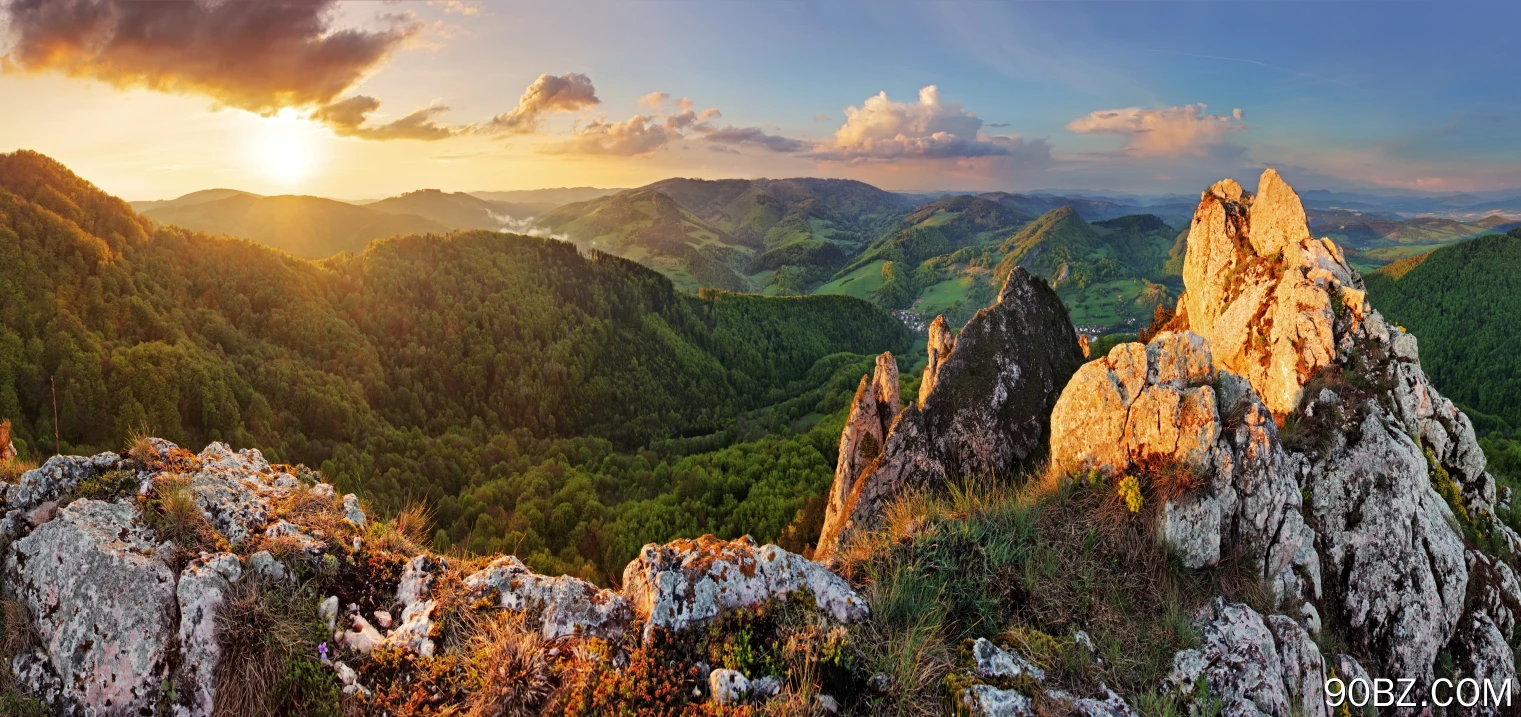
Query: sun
284, 148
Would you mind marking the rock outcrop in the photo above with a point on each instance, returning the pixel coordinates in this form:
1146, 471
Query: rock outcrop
986, 412
1253, 665
1262, 292
562, 606
102, 604
1319, 443
1164, 409
123, 632
688, 582
872, 411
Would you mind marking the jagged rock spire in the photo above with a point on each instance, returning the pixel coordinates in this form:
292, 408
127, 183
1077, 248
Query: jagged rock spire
987, 411
1265, 294
871, 415
941, 343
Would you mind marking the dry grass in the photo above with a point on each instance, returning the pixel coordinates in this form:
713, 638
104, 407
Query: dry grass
20, 636
268, 635
405, 533
515, 678
249, 634
11, 469
140, 447
1028, 565
172, 512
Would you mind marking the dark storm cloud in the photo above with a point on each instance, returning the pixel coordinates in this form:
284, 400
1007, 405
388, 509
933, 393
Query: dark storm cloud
255, 55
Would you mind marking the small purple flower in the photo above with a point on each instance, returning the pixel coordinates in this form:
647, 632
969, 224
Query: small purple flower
322, 651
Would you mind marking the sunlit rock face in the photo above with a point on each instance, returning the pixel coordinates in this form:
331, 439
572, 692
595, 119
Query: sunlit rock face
986, 411
872, 411
1262, 291
1163, 407
1332, 444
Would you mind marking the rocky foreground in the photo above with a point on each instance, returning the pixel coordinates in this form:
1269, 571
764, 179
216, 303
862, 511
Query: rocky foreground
1273, 420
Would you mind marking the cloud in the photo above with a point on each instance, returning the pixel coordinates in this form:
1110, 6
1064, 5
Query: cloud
755, 137
669, 122
1165, 132
884, 130
722, 149
257, 56
457, 7
550, 93
640, 134
346, 118
821, 118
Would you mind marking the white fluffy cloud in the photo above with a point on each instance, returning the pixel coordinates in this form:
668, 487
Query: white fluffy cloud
884, 130
550, 93
640, 134
1165, 132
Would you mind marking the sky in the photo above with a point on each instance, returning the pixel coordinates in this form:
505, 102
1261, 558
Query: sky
151, 100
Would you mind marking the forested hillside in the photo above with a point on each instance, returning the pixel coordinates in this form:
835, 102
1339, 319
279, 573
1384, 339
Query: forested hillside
512, 383
1464, 303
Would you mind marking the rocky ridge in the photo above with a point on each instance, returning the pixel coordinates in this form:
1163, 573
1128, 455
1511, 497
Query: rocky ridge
1316, 443
1274, 417
127, 608
985, 401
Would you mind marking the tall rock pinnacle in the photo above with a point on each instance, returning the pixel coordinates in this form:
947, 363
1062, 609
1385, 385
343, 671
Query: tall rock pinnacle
986, 412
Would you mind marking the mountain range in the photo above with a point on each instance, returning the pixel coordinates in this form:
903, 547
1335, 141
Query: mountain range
925, 253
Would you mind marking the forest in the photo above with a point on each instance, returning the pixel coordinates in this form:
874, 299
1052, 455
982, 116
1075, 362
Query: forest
569, 406
1463, 303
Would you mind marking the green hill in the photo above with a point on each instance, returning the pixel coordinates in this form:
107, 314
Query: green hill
777, 236
650, 227
308, 227
455, 210
1464, 302
505, 380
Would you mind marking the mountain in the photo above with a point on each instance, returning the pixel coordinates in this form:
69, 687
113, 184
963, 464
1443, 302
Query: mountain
1112, 274
1464, 302
551, 198
650, 227
455, 210
204, 195
506, 451
308, 227
506, 380
768, 235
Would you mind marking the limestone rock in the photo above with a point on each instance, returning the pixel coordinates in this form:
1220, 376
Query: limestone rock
1386, 535
995, 663
415, 595
872, 411
1481, 653
1253, 666
1144, 407
941, 344
1262, 292
728, 687
563, 606
989, 701
202, 590
352, 512
687, 582
103, 606
47, 483
987, 412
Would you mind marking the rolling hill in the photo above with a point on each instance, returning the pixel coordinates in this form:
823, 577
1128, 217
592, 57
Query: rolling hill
773, 236
1464, 302
456, 210
570, 406
308, 227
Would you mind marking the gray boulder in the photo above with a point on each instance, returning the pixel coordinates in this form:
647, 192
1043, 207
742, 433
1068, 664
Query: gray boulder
104, 606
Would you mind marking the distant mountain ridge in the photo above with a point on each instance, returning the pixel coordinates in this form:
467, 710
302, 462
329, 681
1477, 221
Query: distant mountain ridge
308, 227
